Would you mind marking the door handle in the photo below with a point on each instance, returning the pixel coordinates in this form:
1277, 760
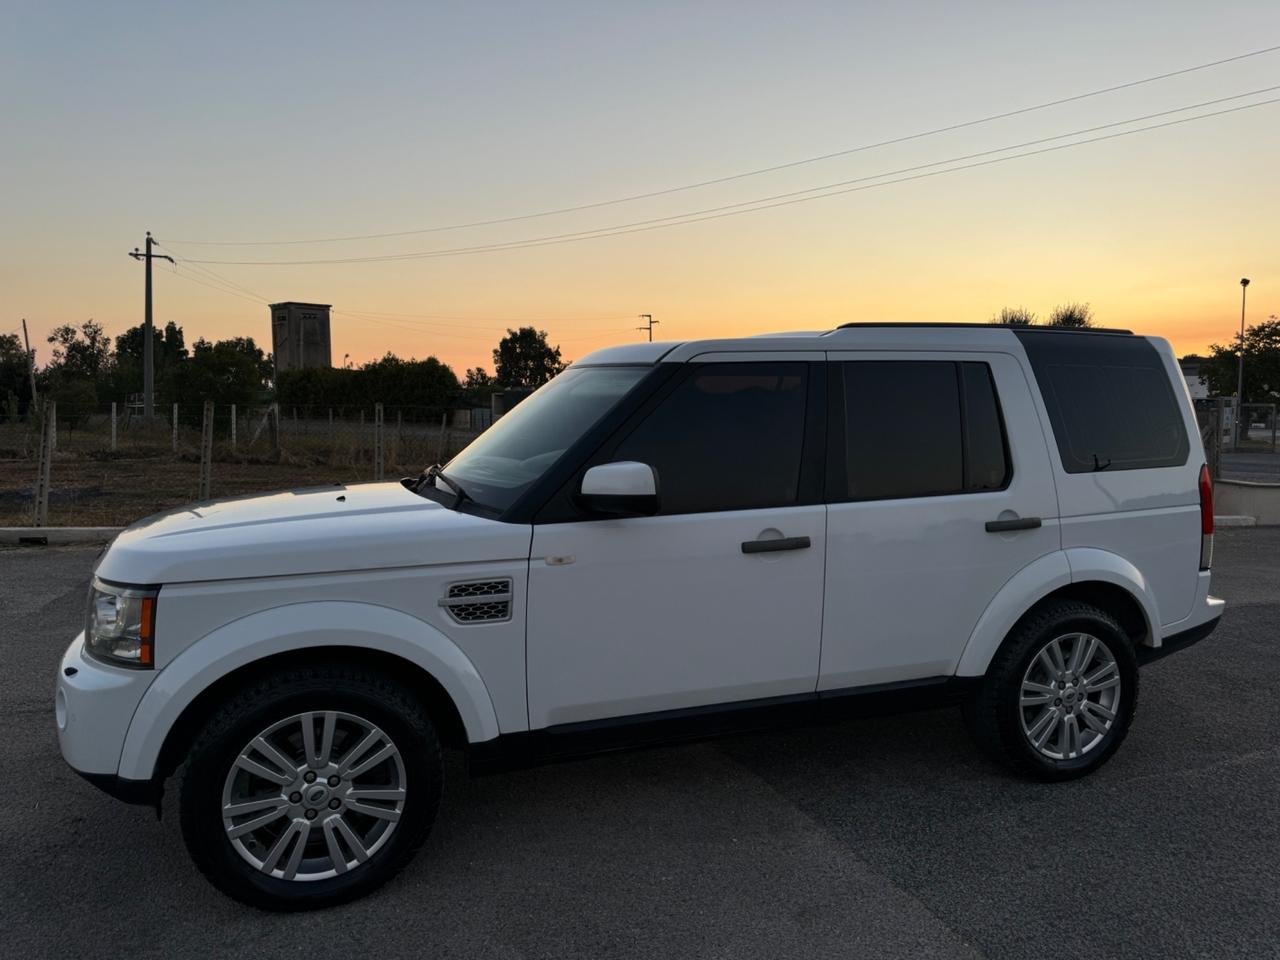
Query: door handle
773, 546
1019, 523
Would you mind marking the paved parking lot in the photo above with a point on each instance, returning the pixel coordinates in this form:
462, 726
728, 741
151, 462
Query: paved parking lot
876, 838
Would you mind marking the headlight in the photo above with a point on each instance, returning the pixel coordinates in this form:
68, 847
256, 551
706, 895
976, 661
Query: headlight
120, 627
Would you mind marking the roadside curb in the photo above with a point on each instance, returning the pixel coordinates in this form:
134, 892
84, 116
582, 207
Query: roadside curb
50, 536
1234, 520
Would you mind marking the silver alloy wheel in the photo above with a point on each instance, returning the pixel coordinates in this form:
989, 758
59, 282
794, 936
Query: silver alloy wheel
313, 796
1070, 696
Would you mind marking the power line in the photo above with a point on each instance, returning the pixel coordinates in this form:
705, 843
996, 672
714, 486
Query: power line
784, 199
752, 173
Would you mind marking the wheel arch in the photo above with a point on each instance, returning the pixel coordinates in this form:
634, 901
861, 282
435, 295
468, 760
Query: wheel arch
189, 688
1097, 577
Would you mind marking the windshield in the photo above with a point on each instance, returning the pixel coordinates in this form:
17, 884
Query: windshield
506, 459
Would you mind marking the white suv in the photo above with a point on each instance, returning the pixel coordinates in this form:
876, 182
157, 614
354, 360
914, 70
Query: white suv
666, 541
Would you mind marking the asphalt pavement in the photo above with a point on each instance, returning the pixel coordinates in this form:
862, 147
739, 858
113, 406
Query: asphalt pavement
888, 837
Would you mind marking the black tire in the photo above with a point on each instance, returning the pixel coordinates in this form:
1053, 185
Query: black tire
336, 687
994, 715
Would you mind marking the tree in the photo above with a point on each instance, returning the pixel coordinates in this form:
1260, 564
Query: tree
229, 371
81, 357
1076, 315
1014, 317
169, 351
79, 353
15, 383
524, 358
478, 386
1261, 365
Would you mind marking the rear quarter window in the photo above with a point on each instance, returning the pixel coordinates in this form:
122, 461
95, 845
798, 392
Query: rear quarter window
1109, 400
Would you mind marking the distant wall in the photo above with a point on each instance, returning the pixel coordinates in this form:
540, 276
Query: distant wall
1240, 498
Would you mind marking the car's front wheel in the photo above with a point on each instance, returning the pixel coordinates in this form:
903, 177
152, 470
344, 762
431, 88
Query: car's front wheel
311, 787
1059, 696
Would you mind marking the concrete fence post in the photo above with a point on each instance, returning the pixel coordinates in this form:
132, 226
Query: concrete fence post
273, 426
444, 425
113, 426
206, 450
175, 428
44, 472
233, 428
378, 447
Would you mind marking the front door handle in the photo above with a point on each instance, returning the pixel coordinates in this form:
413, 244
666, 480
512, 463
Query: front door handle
772, 546
1018, 523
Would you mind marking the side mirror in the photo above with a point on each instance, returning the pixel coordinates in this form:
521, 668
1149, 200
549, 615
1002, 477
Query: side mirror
622, 489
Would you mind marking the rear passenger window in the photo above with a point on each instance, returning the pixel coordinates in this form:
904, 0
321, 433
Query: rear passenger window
921, 428
1109, 401
729, 437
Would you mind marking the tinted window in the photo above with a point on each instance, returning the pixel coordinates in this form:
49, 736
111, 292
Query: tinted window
985, 459
921, 428
728, 437
1109, 401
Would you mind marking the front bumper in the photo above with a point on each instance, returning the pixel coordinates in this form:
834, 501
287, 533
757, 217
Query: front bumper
93, 706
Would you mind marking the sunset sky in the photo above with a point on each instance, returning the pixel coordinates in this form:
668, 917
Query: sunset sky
273, 121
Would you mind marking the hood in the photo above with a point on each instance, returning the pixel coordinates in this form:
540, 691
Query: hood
364, 526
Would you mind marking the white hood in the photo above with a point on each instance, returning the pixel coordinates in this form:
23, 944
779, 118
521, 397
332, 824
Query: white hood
314, 530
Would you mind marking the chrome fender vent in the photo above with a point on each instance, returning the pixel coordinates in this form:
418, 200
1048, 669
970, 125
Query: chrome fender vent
478, 601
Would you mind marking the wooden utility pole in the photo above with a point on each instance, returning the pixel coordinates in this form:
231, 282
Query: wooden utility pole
651, 323
148, 372
31, 365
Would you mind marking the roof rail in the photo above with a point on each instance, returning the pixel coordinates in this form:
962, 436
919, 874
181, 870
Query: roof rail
999, 326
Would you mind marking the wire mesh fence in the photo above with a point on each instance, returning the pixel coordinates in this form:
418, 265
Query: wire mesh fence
108, 466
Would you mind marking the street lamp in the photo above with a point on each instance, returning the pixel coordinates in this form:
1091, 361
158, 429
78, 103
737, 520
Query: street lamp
1244, 286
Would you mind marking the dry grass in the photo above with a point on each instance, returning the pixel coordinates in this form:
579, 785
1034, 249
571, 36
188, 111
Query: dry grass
93, 486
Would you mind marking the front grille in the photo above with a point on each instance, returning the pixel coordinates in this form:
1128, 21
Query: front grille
478, 601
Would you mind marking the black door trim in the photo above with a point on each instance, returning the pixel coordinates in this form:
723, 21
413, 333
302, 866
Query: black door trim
593, 737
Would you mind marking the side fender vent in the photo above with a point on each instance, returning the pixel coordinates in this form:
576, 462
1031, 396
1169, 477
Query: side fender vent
478, 601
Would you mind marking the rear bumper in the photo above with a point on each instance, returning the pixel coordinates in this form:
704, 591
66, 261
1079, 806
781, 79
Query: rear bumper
1175, 642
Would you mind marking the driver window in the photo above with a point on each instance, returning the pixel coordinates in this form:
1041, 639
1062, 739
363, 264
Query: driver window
729, 437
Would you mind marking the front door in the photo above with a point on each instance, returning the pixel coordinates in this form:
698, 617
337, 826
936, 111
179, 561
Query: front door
693, 606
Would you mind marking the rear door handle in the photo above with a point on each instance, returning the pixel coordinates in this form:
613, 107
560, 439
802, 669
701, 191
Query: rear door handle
1019, 523
773, 546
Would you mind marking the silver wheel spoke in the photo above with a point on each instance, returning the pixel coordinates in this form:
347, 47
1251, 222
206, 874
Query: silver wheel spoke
1043, 727
268, 750
357, 848
1083, 652
375, 793
372, 737
1092, 722
364, 766
336, 855
295, 858
1106, 714
383, 813
257, 822
278, 848
250, 806
1103, 673
263, 771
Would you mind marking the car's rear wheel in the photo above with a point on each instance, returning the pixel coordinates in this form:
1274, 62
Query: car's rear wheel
1060, 694
310, 788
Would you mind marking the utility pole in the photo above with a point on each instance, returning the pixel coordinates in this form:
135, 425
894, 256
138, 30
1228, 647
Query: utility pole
649, 325
31, 365
1244, 286
148, 373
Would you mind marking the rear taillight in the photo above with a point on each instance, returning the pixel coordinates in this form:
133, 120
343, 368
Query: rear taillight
1206, 518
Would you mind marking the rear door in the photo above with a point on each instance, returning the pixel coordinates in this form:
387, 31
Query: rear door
926, 449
